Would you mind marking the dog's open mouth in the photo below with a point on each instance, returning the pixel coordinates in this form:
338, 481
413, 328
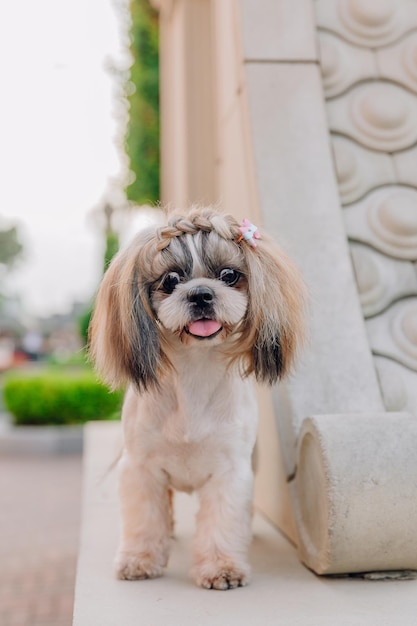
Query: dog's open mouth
204, 328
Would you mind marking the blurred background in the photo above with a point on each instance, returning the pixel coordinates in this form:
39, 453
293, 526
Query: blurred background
69, 157
79, 128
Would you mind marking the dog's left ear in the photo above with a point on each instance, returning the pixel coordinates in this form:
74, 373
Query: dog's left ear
275, 316
123, 335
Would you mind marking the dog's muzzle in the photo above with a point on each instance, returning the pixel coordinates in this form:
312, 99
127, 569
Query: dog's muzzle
201, 296
204, 324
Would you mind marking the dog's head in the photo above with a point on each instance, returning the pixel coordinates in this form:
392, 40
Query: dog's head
197, 282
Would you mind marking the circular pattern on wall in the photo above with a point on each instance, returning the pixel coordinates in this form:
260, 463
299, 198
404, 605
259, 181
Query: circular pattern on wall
347, 171
331, 62
404, 330
369, 67
384, 116
369, 280
393, 219
370, 22
409, 59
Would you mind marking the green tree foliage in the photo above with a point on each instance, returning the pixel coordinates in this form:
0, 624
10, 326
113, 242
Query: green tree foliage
112, 246
142, 137
10, 247
83, 324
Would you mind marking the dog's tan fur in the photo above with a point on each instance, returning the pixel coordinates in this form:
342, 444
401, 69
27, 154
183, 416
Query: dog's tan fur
190, 413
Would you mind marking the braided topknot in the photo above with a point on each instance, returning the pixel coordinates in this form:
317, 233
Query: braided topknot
206, 220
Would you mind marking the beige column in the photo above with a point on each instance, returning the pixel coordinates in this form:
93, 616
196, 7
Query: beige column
188, 103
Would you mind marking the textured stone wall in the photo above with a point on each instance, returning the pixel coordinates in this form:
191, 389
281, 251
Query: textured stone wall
368, 55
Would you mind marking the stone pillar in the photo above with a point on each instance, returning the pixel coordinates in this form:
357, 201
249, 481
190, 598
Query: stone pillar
336, 472
188, 103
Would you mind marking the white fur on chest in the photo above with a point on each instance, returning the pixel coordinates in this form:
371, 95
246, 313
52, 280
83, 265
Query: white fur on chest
202, 424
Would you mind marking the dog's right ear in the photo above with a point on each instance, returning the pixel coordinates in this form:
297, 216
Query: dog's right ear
123, 334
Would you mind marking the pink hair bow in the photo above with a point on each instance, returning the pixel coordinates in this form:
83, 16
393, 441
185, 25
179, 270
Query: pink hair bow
249, 232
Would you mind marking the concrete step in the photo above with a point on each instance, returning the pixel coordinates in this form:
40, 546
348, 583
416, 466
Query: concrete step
282, 592
26, 440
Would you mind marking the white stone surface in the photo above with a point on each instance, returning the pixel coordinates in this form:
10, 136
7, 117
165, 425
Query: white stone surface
369, 64
398, 62
381, 116
394, 333
282, 592
381, 279
387, 220
278, 30
398, 385
359, 170
300, 207
369, 23
406, 166
342, 64
356, 494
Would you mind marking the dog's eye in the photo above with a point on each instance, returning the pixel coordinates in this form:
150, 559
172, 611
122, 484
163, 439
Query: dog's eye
229, 276
170, 281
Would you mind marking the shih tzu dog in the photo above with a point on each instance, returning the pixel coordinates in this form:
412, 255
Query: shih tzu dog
185, 315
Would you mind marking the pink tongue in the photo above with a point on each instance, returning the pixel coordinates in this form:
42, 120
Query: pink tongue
204, 328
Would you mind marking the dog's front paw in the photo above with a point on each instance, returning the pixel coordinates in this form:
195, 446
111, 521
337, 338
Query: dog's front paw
222, 576
137, 566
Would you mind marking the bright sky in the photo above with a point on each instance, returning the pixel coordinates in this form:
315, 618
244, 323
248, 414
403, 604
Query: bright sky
57, 141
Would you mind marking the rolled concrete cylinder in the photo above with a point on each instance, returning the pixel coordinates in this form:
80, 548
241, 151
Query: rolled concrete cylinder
355, 493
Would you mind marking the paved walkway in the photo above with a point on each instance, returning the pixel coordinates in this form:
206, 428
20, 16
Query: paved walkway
39, 530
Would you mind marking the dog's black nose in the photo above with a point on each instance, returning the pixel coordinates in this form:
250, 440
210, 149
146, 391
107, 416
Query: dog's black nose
201, 295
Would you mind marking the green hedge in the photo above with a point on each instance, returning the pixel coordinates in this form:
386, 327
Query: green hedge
59, 399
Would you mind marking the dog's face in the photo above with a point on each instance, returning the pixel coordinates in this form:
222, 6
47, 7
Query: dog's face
202, 294
195, 283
